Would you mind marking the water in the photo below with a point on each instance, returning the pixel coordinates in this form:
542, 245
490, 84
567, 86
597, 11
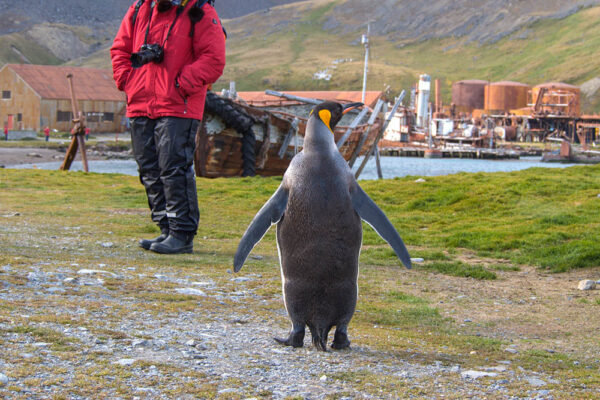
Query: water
392, 166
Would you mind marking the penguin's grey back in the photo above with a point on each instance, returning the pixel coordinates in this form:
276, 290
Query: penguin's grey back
319, 239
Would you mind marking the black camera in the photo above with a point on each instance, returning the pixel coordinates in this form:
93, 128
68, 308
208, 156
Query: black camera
148, 53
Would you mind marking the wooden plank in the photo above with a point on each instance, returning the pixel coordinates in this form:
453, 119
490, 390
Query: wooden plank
263, 154
352, 126
380, 134
288, 137
365, 134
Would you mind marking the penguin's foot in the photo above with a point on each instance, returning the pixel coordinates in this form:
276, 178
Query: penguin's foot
290, 341
296, 338
340, 345
340, 339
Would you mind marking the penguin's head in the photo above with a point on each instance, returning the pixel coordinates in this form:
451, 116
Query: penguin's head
330, 112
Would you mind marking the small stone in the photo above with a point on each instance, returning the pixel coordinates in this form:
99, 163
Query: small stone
3, 379
41, 344
533, 381
36, 155
241, 279
323, 378
190, 291
420, 180
125, 362
417, 260
69, 280
139, 343
191, 343
108, 244
512, 351
586, 285
96, 271
256, 257
472, 374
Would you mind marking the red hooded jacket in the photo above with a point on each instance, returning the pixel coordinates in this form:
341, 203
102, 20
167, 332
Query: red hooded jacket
176, 87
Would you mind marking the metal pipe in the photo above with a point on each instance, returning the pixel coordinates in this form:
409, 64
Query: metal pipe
365, 41
292, 97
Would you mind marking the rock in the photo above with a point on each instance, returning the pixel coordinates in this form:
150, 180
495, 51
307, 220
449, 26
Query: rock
191, 343
417, 260
125, 362
139, 343
472, 374
511, 351
420, 180
533, 381
3, 379
36, 155
108, 244
586, 285
323, 378
95, 271
256, 257
241, 279
190, 291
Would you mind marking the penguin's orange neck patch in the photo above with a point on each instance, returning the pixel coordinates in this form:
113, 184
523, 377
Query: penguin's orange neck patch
325, 116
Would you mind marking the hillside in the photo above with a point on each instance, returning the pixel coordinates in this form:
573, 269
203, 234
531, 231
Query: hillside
284, 45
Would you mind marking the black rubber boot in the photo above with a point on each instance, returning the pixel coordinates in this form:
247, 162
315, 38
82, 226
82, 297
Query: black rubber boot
146, 243
175, 243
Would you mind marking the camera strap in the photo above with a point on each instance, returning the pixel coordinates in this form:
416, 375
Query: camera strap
177, 14
135, 12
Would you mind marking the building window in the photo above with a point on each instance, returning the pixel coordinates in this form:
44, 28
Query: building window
92, 116
19, 117
63, 116
108, 117
6, 94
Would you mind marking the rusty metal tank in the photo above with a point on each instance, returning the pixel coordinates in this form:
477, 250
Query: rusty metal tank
558, 98
468, 95
506, 95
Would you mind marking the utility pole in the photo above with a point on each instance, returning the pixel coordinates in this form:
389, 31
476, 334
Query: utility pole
365, 41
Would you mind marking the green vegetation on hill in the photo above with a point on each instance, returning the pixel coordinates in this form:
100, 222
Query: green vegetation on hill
286, 58
18, 49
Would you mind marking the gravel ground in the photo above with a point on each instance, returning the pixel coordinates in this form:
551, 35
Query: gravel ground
224, 339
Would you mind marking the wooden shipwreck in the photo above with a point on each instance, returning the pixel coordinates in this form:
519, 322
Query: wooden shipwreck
278, 125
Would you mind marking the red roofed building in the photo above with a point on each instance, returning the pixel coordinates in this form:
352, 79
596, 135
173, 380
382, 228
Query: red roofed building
36, 96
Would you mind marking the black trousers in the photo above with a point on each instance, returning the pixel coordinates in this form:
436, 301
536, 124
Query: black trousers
164, 151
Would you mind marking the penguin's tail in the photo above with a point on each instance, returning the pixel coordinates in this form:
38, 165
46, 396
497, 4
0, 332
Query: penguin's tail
319, 336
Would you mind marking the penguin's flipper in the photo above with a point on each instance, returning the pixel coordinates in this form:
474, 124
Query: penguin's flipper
366, 209
269, 214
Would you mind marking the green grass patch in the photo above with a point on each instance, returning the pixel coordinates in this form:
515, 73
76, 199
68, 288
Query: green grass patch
460, 269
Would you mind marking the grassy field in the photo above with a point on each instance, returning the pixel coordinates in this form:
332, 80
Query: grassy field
489, 243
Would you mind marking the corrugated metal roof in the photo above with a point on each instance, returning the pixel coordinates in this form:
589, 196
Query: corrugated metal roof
50, 82
261, 99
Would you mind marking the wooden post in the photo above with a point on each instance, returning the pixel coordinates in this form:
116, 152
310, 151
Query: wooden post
378, 163
380, 134
77, 133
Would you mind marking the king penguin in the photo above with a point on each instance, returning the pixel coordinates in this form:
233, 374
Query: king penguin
318, 210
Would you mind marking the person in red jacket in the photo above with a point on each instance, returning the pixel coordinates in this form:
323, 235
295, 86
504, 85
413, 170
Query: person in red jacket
47, 133
165, 54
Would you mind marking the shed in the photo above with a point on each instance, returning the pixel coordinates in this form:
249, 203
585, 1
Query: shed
35, 96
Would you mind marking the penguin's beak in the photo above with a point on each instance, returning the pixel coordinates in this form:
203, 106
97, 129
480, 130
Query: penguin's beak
351, 106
